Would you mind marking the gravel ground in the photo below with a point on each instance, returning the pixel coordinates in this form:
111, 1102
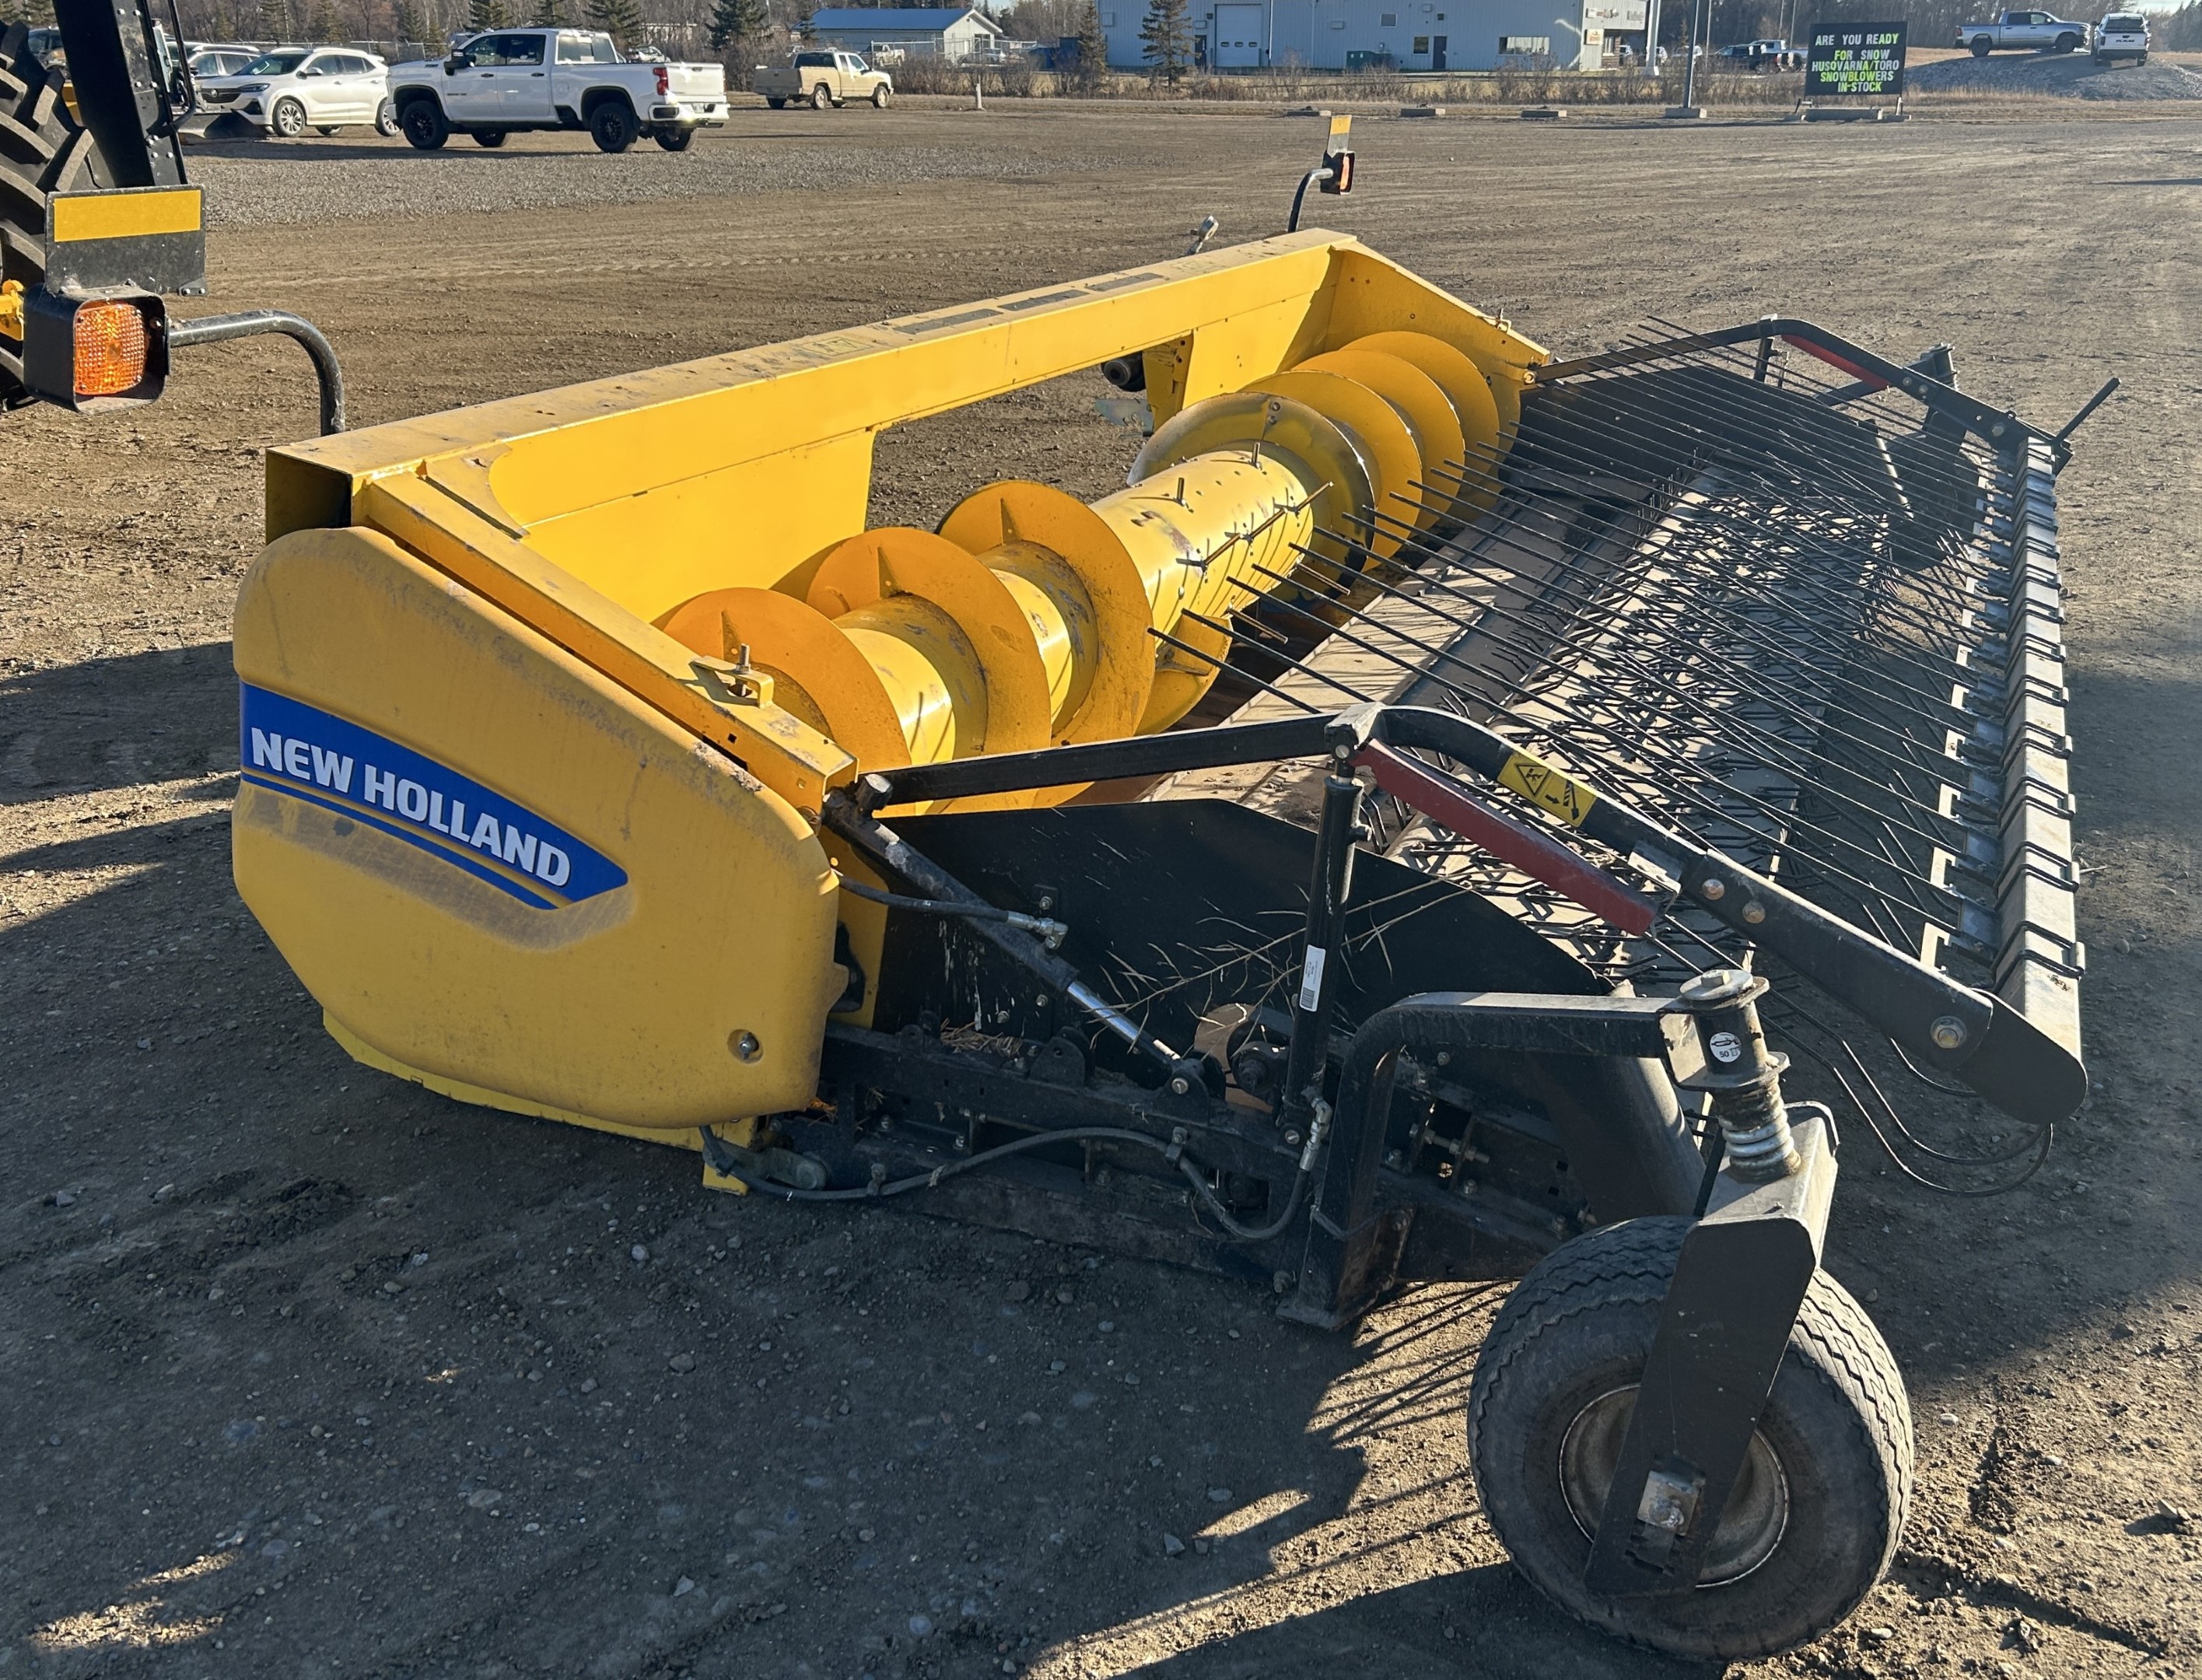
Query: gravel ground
313, 1375
359, 176
2072, 75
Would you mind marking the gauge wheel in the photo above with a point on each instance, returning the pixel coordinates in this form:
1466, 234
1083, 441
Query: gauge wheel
820, 98
47, 153
289, 119
882, 97
1980, 47
612, 125
1813, 1520
491, 138
426, 126
386, 118
674, 140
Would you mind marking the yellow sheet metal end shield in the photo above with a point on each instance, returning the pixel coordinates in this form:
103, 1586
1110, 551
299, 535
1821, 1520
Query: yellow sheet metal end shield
125, 215
1541, 784
497, 869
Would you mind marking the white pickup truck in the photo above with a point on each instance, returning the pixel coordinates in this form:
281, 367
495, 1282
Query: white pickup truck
519, 78
2034, 31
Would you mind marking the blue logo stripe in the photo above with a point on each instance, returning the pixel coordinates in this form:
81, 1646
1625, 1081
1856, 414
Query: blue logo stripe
305, 753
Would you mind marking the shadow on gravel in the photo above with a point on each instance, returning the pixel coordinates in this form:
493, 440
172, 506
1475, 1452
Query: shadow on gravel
117, 722
1486, 1622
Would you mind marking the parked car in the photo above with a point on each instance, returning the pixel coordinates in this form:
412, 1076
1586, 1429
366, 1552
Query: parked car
2121, 35
818, 79
289, 89
1763, 55
509, 80
221, 61
2035, 31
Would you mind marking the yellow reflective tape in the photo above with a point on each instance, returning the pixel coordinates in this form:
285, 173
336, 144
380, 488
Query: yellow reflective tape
125, 215
1340, 128
1540, 784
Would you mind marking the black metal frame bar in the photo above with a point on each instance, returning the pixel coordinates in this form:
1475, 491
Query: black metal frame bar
328, 374
1999, 428
1970, 1035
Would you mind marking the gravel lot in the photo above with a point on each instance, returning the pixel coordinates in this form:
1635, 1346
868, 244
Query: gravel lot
2072, 75
359, 176
315, 1375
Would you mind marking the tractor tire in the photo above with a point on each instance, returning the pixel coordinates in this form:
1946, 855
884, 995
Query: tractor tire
386, 119
882, 97
42, 150
1811, 1524
288, 119
490, 137
674, 140
426, 125
821, 100
1981, 46
612, 125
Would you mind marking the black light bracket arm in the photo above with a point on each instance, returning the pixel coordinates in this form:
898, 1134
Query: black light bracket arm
210, 329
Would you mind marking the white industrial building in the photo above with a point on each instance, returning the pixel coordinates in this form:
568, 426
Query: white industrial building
1389, 34
952, 33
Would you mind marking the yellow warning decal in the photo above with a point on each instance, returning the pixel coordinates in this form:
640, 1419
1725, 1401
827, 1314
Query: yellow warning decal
1540, 784
124, 215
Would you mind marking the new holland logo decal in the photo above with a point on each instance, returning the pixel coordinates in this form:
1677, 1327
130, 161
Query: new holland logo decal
291, 748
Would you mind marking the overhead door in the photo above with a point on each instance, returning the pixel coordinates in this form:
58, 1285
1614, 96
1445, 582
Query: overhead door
1238, 38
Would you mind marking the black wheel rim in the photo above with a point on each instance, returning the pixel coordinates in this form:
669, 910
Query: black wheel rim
1751, 1525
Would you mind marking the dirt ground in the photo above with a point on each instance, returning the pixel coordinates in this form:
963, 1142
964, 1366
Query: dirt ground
313, 1374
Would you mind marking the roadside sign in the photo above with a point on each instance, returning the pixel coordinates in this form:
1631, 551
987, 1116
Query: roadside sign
1855, 59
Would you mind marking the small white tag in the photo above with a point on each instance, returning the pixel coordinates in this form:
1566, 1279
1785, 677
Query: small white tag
1311, 976
1725, 1047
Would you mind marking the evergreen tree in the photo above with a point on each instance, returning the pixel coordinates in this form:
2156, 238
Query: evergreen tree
1166, 39
622, 19
322, 23
488, 15
736, 21
275, 19
549, 15
405, 17
1092, 68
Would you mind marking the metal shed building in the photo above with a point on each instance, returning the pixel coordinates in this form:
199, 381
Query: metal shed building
952, 33
1400, 34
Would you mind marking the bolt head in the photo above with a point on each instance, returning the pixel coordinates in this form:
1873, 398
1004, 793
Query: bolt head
1948, 1033
745, 1047
1292, 1140
1754, 912
1714, 890
1181, 1085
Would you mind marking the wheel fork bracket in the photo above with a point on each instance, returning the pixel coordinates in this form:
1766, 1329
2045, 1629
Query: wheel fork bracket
1744, 1271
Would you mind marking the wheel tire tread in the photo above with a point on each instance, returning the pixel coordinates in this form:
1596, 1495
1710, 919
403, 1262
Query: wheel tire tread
1834, 1342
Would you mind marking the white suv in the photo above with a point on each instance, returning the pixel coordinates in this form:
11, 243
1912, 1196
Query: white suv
289, 89
2121, 35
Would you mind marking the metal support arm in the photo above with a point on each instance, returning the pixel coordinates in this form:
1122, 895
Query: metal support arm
1743, 1274
210, 329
